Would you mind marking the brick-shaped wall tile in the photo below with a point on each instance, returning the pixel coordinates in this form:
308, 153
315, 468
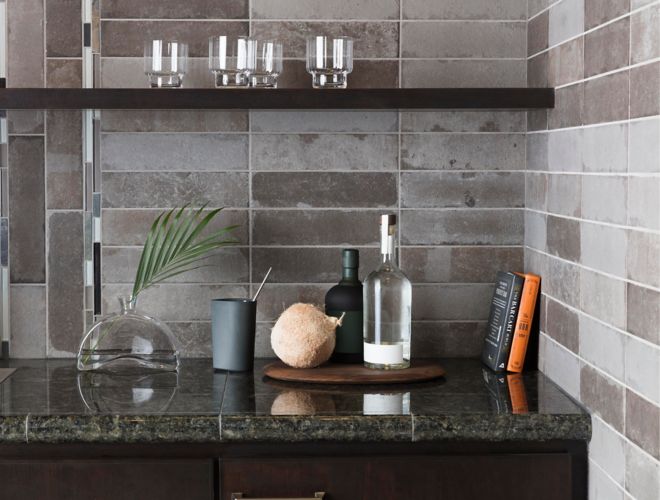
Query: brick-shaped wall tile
644, 153
65, 283
644, 202
562, 325
163, 9
315, 121
597, 12
594, 238
26, 205
63, 28
643, 369
462, 121
642, 258
25, 43
28, 321
607, 449
566, 20
606, 98
606, 48
324, 9
603, 395
64, 168
566, 63
170, 120
562, 366
64, 73
603, 297
452, 301
642, 474
643, 423
463, 73
461, 339
644, 97
602, 346
605, 148
563, 238
645, 35
463, 9
643, 312
604, 198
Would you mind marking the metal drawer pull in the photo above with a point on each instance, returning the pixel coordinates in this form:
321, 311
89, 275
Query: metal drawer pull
318, 495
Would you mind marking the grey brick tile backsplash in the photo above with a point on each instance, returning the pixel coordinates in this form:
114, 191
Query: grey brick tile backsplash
163, 9
168, 120
463, 9
64, 73
63, 28
64, 165
325, 9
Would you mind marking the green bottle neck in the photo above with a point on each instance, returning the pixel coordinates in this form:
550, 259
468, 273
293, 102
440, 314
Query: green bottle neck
349, 276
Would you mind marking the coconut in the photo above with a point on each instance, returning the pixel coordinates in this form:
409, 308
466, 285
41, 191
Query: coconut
303, 336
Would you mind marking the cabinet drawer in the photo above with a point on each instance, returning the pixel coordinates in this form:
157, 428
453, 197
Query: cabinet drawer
124, 479
462, 477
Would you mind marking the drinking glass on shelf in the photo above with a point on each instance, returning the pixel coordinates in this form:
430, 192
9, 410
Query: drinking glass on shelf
231, 60
329, 60
268, 63
165, 62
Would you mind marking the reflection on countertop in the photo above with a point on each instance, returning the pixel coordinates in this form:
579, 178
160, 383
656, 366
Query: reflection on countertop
50, 401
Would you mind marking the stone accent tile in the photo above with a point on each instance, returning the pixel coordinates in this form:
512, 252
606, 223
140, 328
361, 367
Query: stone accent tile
130, 227
536, 263
644, 153
605, 148
594, 239
562, 366
64, 168
642, 474
307, 265
164, 9
174, 302
463, 9
28, 321
562, 281
645, 35
171, 189
566, 21
374, 73
566, 150
536, 187
604, 198
537, 152
535, 230
451, 302
462, 227
568, 111
463, 152
66, 299
464, 39
229, 265
173, 120
458, 264
606, 98
464, 73
607, 449
461, 190
537, 71
644, 95
64, 73
563, 238
324, 9
643, 313
606, 49
27, 198
643, 369
603, 396
643, 423
126, 38
564, 192
194, 338
537, 34
597, 12
63, 28
25, 121
537, 119
275, 298
566, 63
303, 227
181, 152
324, 152
603, 297
448, 339
642, 256
25, 29
562, 325
371, 39
644, 202
305, 121
602, 347
128, 72
325, 189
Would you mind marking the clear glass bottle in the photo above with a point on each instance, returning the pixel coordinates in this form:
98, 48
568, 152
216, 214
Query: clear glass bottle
387, 307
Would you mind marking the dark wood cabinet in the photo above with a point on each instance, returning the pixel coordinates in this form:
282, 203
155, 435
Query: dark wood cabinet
523, 477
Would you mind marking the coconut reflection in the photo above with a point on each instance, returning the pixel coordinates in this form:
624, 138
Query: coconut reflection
127, 392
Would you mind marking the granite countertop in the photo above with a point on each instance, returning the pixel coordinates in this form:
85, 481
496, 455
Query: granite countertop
49, 401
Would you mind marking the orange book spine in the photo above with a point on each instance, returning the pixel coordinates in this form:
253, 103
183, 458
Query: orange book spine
523, 323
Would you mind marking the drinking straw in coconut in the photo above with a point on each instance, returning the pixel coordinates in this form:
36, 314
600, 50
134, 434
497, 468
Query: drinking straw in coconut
262, 284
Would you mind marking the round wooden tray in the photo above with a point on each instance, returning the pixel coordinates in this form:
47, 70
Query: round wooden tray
336, 373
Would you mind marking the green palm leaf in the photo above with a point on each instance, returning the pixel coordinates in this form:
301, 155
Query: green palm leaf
174, 245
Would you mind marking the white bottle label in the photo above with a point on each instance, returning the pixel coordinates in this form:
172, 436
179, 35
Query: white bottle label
383, 354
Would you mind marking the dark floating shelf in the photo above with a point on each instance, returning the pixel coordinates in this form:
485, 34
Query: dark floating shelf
486, 98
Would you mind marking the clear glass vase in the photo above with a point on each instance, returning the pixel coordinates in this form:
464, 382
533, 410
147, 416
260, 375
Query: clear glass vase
129, 339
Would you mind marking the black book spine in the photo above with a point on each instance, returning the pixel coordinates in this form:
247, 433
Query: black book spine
502, 356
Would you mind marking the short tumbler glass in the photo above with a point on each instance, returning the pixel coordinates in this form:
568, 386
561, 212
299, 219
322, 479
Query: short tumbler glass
268, 63
231, 60
329, 60
165, 62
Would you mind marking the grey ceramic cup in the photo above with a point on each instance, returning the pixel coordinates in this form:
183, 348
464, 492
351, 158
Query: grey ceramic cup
233, 323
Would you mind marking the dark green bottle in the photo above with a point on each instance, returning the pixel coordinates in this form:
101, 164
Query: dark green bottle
346, 297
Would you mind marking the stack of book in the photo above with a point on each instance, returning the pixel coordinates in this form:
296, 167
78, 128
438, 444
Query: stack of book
510, 321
